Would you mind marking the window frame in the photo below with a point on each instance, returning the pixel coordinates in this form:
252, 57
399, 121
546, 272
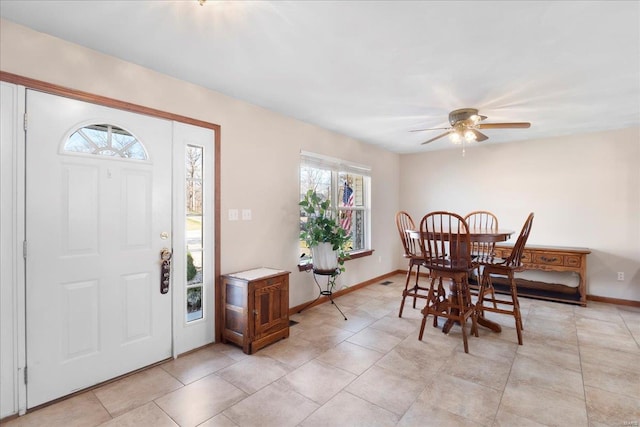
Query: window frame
337, 167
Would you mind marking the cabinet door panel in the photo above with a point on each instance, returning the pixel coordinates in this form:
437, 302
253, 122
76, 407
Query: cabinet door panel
268, 305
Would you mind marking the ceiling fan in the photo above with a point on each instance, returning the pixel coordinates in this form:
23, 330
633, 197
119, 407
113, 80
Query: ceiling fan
465, 123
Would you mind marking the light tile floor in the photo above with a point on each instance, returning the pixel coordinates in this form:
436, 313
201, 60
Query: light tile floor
578, 367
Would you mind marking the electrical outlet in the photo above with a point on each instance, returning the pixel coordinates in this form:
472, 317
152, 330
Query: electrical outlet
620, 275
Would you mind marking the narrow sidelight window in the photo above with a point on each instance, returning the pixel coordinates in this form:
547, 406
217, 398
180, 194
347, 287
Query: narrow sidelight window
194, 232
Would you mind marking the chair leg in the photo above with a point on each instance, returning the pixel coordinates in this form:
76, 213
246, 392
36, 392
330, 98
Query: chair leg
415, 287
424, 321
461, 313
437, 299
493, 294
406, 289
434, 298
517, 304
516, 307
474, 322
425, 311
480, 303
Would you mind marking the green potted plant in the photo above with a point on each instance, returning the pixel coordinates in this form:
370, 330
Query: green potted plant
323, 234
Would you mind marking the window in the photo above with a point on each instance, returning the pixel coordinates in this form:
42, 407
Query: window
105, 140
347, 186
194, 232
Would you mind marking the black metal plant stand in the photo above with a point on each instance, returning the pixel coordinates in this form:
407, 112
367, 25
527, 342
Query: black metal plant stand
328, 292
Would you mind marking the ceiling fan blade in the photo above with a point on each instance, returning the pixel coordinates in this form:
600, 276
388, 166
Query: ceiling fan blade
480, 136
437, 137
421, 130
504, 125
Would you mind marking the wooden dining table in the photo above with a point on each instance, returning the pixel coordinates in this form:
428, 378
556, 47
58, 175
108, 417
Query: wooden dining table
475, 235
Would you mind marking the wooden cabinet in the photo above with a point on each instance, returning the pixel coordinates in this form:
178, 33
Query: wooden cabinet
255, 307
551, 258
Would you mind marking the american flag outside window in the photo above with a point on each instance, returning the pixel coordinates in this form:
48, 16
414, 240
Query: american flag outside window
347, 201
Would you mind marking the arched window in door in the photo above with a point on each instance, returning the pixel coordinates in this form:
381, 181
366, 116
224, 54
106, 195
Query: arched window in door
105, 140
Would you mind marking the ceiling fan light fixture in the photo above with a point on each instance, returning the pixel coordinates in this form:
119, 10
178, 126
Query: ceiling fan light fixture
469, 135
455, 137
475, 119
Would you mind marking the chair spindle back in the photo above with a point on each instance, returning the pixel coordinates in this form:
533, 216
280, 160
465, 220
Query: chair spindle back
482, 220
445, 241
404, 222
515, 258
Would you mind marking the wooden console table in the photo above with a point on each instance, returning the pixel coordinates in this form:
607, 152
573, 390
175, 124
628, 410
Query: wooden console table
551, 258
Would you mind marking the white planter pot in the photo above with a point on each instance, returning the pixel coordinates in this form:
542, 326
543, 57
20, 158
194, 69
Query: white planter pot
325, 259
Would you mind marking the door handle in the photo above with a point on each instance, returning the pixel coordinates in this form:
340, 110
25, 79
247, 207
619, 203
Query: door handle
165, 270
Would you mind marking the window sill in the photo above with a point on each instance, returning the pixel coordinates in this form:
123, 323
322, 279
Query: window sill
353, 255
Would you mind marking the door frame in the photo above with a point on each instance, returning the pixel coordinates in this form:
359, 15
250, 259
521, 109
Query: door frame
19, 285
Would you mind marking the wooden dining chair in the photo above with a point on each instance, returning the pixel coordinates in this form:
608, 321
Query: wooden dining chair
482, 252
446, 248
505, 268
411, 246
482, 220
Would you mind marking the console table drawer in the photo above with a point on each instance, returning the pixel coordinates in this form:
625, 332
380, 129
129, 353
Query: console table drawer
547, 259
505, 252
572, 261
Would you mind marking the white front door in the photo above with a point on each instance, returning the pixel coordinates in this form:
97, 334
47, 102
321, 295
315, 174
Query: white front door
98, 214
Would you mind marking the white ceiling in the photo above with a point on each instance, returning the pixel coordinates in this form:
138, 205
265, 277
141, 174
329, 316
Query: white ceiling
374, 70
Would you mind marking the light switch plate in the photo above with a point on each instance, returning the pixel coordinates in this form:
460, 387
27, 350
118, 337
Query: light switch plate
233, 214
246, 214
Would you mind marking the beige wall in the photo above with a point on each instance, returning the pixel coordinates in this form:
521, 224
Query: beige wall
584, 190
260, 154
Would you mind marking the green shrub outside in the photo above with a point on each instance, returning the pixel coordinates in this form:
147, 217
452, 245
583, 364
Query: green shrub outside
191, 268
